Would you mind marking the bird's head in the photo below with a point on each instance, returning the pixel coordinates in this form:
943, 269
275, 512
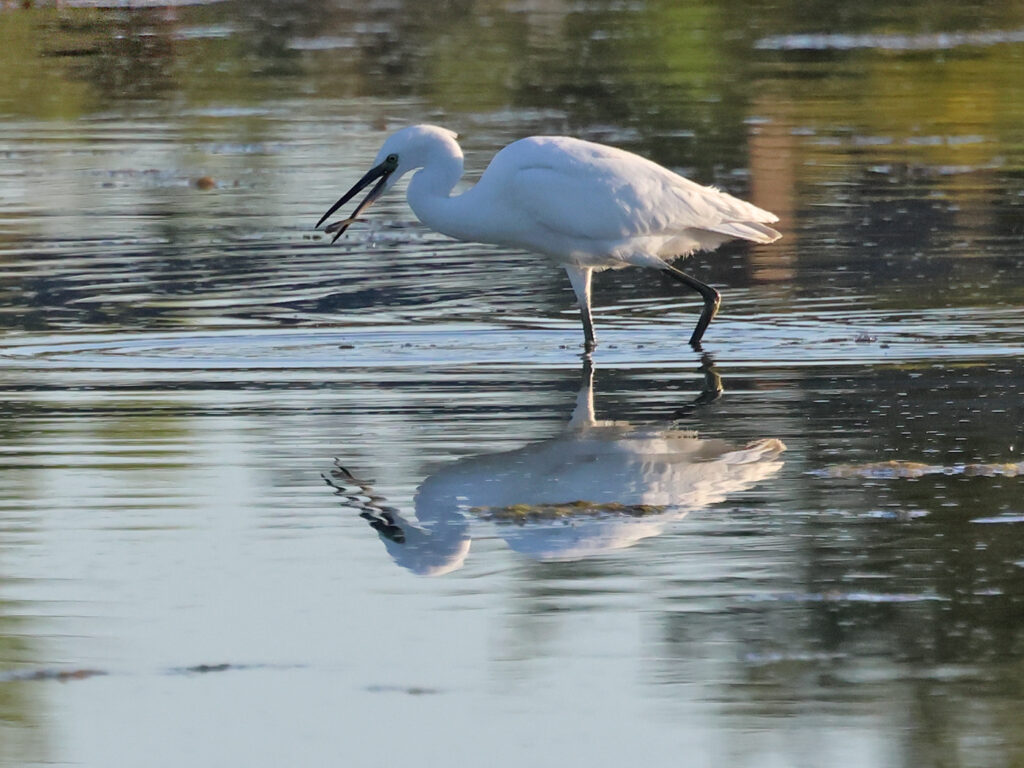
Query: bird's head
404, 151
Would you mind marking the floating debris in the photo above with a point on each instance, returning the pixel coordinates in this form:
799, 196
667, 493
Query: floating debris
60, 675
411, 690
202, 669
885, 470
65, 675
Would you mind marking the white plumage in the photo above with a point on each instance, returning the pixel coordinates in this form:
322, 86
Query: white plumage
586, 206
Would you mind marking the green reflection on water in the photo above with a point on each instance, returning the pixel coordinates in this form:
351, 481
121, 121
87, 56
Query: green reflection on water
876, 157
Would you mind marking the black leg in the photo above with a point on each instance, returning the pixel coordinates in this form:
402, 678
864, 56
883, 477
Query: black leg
589, 339
711, 301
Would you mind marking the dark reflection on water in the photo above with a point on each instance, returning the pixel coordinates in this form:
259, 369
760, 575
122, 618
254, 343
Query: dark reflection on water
183, 356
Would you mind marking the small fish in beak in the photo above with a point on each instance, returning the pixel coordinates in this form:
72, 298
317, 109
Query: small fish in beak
382, 172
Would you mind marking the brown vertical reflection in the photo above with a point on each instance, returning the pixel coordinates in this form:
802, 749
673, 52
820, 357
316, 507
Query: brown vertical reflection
773, 161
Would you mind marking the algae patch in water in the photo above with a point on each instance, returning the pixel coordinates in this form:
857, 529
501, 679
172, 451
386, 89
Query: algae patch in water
526, 513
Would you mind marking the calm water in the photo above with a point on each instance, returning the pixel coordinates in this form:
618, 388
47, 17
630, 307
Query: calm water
804, 549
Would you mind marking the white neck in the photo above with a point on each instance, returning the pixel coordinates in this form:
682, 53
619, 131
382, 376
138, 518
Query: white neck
430, 195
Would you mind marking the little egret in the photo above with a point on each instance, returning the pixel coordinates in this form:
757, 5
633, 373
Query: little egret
586, 206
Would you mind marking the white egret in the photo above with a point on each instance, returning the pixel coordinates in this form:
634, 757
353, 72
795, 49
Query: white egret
586, 206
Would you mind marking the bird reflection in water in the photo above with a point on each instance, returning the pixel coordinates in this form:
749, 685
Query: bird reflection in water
597, 486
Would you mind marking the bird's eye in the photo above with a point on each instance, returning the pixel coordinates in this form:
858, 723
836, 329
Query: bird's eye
392, 159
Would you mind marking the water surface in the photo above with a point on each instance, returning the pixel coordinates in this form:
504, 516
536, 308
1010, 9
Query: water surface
803, 548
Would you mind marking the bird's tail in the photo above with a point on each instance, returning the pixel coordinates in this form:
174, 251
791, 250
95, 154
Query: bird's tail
754, 231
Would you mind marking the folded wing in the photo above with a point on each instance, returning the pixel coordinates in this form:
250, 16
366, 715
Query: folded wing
592, 192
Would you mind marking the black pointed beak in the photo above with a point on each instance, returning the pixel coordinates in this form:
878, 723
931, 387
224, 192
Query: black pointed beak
382, 171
